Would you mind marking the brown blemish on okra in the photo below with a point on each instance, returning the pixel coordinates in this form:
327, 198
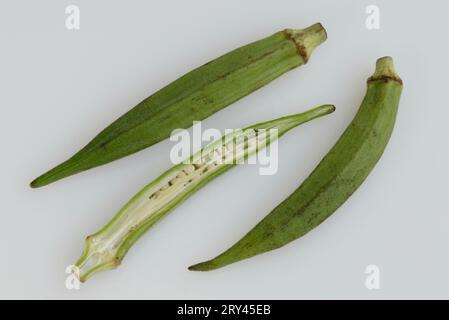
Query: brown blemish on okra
306, 40
385, 71
385, 79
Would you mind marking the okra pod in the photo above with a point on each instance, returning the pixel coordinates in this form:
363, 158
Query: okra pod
106, 248
335, 178
194, 96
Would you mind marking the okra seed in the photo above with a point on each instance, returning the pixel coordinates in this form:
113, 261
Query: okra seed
182, 174
189, 168
198, 165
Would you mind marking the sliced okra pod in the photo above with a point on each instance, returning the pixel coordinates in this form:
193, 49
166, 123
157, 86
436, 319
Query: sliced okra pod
106, 248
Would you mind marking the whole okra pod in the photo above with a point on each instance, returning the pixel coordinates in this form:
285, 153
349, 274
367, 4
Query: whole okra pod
194, 96
335, 178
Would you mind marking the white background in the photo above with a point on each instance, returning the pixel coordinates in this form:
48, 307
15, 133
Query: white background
58, 88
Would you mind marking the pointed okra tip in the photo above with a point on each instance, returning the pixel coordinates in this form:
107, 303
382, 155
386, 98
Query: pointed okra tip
49, 177
385, 70
204, 266
42, 180
35, 183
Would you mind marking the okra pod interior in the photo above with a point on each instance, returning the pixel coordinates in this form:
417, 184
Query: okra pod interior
106, 248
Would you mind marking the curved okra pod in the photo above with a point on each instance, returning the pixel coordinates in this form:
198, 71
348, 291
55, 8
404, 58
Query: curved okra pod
193, 97
106, 248
335, 178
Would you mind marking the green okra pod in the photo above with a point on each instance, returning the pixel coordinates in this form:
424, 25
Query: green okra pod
335, 178
193, 97
106, 248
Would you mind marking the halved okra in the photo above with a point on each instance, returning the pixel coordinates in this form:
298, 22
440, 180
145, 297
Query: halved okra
106, 248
